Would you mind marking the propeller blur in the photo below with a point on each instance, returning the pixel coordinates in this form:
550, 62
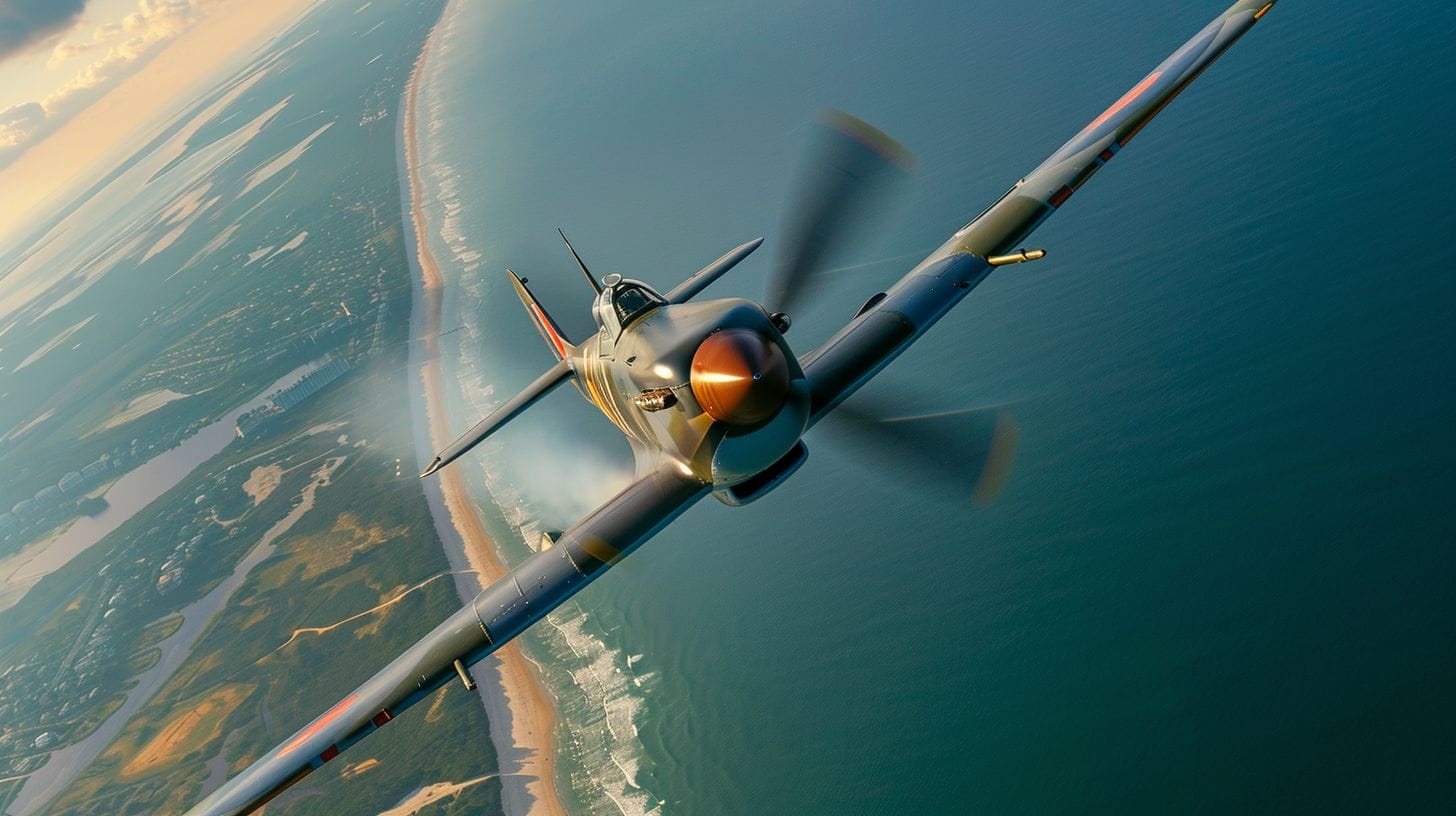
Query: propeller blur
714, 401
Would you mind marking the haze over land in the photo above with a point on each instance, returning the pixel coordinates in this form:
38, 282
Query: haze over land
188, 345
1218, 577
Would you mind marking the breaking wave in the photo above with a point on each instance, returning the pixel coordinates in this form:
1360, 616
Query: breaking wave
600, 694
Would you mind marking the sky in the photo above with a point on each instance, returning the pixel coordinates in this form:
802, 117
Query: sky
80, 77
59, 56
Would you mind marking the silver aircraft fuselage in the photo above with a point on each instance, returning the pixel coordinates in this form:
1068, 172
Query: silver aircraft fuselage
662, 350
712, 400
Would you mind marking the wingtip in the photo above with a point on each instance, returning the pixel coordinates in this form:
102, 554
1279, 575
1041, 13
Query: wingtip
434, 466
1259, 7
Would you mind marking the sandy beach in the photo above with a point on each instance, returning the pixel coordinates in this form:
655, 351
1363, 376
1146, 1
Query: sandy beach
521, 714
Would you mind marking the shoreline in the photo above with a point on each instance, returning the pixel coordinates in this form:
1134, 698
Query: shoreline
522, 715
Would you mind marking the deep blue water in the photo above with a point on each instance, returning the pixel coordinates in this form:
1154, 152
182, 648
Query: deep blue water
1221, 575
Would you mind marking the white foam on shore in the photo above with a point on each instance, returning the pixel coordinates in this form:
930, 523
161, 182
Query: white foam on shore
598, 696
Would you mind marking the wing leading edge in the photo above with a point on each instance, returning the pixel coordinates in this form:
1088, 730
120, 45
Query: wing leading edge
507, 411
917, 301
498, 613
836, 369
1044, 190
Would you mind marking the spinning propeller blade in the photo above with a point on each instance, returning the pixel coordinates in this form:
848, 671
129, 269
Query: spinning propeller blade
852, 163
966, 453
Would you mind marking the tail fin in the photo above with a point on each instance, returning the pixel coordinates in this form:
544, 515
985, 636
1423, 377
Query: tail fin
550, 332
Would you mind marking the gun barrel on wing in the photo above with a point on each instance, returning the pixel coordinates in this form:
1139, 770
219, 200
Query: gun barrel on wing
917, 301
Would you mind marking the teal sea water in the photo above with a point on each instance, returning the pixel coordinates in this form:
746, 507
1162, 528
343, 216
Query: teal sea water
1220, 579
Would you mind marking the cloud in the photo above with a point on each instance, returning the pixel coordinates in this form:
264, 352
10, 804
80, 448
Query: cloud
65, 50
140, 33
26, 23
136, 36
128, 43
19, 122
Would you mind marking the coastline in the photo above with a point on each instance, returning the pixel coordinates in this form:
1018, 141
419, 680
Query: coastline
522, 715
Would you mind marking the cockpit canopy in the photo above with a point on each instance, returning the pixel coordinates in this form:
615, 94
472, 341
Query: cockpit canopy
621, 302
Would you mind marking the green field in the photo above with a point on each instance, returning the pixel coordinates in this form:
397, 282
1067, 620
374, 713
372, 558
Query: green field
264, 233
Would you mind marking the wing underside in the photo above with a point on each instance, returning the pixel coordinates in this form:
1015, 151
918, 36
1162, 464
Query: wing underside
497, 614
868, 343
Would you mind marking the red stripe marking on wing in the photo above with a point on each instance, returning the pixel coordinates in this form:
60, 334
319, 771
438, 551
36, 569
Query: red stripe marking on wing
1127, 99
319, 724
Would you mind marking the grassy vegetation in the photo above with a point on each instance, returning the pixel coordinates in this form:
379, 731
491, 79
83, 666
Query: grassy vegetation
187, 733
221, 333
143, 660
206, 322
368, 537
159, 631
97, 715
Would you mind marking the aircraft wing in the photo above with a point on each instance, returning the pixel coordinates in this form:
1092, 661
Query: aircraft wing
1044, 190
892, 320
512, 408
499, 613
689, 288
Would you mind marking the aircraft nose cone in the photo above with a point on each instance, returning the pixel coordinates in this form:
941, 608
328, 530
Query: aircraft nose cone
739, 377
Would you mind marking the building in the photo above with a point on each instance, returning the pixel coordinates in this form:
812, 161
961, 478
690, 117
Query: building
9, 523
170, 580
72, 484
25, 509
253, 420
48, 497
97, 469
311, 384
330, 330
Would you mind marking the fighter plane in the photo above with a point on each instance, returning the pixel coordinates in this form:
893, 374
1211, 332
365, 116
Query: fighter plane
712, 398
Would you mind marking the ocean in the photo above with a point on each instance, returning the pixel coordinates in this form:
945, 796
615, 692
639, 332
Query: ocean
1220, 577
